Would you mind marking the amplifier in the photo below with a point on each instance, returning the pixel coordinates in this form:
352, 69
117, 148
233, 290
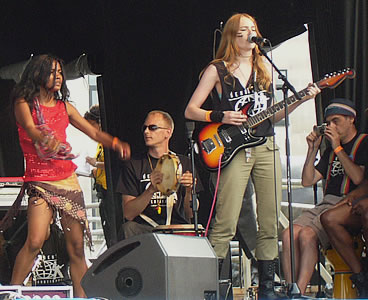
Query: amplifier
11, 181
9, 190
155, 267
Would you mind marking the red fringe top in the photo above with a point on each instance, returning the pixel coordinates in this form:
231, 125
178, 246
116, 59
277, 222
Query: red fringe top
37, 169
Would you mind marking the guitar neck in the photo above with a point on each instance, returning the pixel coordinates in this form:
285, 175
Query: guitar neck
272, 110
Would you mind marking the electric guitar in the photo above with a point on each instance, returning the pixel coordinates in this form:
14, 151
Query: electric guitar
218, 139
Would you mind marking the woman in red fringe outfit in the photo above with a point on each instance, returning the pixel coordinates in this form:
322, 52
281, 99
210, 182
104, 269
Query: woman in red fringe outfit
43, 113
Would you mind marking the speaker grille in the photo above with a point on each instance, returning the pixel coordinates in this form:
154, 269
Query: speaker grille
129, 282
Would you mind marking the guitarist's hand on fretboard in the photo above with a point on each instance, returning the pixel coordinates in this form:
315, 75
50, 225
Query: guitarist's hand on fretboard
312, 92
234, 117
309, 92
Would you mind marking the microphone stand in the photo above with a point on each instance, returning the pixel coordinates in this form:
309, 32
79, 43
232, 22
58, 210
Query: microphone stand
293, 289
320, 293
190, 129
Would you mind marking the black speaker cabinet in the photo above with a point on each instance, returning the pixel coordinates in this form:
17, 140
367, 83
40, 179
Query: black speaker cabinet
155, 267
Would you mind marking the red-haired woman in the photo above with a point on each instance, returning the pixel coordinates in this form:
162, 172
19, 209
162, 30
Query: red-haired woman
239, 78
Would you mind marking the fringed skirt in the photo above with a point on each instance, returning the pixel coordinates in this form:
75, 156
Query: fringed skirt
63, 196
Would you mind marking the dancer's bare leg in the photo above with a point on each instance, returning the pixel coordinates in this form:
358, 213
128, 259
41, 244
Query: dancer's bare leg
39, 217
73, 232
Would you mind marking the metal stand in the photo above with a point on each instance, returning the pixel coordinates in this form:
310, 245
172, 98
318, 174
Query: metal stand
293, 289
320, 293
190, 129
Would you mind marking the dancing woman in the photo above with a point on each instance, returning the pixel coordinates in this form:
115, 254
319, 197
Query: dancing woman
42, 112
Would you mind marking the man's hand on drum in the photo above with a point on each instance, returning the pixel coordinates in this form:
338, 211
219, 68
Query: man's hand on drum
187, 180
156, 178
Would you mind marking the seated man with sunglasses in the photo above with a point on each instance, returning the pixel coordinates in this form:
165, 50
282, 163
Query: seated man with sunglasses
144, 206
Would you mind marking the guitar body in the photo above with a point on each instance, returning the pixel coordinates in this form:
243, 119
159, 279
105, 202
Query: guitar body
218, 139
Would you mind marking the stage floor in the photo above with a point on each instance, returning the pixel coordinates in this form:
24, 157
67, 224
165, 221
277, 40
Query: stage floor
66, 292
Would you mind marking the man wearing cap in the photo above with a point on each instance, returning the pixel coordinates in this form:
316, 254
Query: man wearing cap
342, 165
347, 219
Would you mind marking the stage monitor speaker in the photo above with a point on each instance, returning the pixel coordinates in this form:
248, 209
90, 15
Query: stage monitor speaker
155, 267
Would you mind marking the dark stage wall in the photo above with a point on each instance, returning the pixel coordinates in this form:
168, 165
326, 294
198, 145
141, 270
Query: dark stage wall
155, 54
151, 52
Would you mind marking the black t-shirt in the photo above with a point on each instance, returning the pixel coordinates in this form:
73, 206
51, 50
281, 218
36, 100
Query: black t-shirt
250, 99
337, 171
135, 179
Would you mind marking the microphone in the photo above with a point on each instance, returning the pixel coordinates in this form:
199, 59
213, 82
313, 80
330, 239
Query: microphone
190, 125
190, 128
253, 38
221, 25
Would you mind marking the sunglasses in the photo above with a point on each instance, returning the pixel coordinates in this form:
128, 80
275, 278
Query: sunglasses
152, 127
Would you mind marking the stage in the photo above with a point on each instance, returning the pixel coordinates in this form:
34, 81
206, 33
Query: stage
66, 292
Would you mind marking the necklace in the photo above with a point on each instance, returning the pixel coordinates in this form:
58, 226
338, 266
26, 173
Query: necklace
150, 162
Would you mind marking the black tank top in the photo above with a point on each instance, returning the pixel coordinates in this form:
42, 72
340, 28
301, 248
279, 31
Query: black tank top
251, 99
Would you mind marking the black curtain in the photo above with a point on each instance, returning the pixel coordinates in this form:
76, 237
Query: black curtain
340, 32
151, 52
11, 155
154, 52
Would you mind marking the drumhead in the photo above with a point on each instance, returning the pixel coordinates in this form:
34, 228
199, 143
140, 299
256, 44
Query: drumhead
169, 165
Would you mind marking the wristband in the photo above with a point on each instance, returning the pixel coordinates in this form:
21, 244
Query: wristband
114, 143
208, 117
217, 116
338, 149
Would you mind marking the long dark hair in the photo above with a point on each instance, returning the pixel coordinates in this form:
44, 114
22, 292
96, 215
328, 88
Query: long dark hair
35, 76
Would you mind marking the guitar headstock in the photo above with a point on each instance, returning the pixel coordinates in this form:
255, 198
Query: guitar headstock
332, 80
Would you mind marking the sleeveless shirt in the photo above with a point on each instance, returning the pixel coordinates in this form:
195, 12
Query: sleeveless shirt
37, 169
250, 99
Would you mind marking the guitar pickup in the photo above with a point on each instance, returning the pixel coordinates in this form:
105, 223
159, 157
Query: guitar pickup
225, 136
217, 138
208, 145
243, 130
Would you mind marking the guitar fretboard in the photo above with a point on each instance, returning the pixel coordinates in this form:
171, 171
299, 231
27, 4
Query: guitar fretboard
269, 112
